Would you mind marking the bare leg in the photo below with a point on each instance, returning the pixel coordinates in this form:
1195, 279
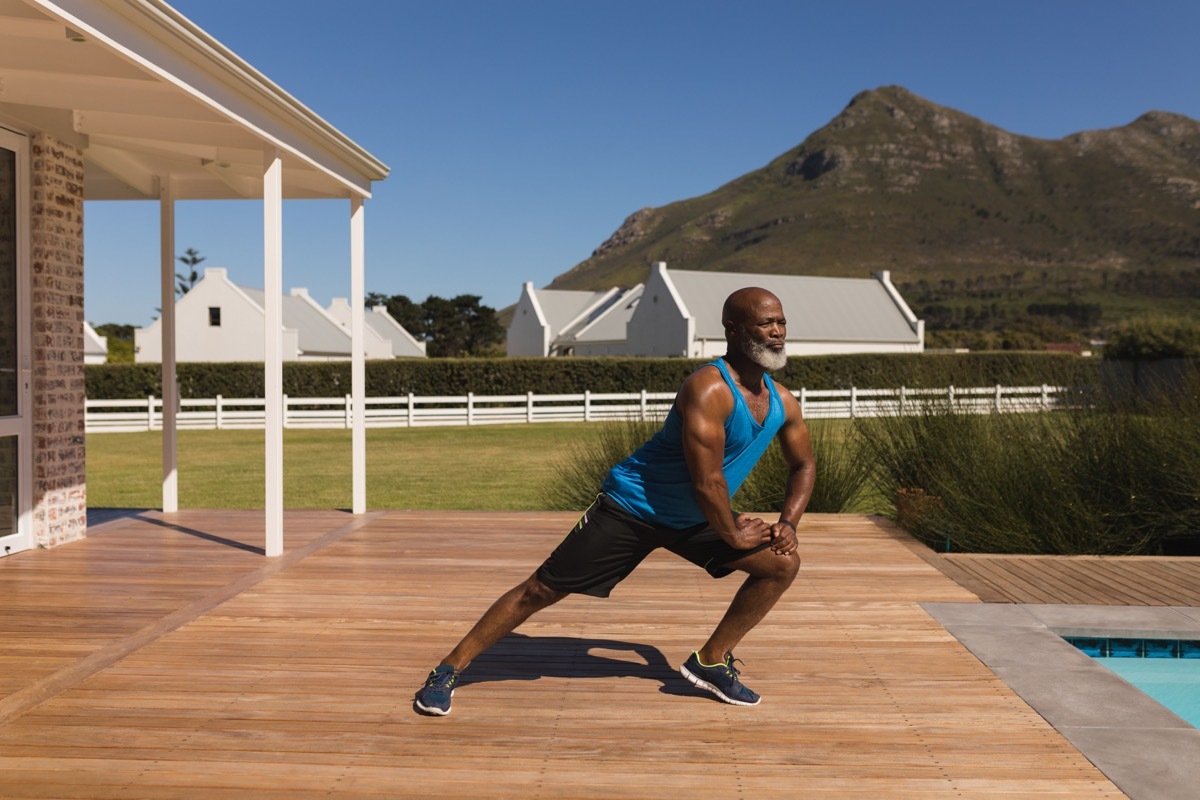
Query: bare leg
769, 577
514, 607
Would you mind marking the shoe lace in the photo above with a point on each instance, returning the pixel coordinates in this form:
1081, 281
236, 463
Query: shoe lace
442, 680
730, 669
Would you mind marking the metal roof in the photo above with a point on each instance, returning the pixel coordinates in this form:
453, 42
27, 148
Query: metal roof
403, 343
318, 334
817, 308
561, 308
146, 94
610, 325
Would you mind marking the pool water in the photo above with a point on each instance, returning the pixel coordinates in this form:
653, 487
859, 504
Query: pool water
1168, 670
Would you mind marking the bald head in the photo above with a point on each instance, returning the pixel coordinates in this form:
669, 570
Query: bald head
755, 328
746, 304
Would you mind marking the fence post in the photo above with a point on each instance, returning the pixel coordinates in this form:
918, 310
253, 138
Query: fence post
998, 395
1045, 396
587, 405
220, 419
470, 408
803, 400
410, 409
853, 402
903, 396
349, 411
285, 412
529, 406
645, 406
950, 396
150, 413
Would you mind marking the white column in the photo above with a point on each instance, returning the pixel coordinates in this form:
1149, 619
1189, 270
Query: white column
358, 370
273, 346
170, 474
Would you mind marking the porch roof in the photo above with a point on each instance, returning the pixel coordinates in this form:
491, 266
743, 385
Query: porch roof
146, 93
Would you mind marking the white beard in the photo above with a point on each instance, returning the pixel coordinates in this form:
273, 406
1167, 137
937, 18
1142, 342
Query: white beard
764, 356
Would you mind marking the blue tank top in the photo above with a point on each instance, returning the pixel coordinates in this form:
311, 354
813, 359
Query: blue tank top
654, 483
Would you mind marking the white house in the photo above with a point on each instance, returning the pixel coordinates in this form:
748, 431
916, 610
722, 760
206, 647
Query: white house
549, 322
217, 320
384, 325
95, 346
679, 314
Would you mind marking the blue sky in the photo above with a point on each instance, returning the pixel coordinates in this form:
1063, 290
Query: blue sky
520, 134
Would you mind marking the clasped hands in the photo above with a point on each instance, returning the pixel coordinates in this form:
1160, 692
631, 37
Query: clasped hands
752, 531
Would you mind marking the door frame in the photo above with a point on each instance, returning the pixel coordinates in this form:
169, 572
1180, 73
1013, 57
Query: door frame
21, 425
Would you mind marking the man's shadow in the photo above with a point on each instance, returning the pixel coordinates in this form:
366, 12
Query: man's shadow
518, 657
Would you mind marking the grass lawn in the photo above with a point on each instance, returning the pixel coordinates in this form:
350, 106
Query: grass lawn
500, 467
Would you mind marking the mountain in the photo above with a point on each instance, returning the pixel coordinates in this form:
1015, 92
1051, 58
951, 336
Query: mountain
900, 183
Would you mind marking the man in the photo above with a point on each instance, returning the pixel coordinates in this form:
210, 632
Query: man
674, 492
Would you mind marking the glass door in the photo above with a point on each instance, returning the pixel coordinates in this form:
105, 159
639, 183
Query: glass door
15, 491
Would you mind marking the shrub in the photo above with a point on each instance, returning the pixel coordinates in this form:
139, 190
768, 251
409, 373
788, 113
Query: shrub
843, 476
497, 376
1113, 477
578, 476
1152, 338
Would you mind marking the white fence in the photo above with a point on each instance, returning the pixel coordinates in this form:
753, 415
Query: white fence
472, 409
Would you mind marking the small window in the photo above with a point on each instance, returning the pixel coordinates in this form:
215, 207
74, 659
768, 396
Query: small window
214, 316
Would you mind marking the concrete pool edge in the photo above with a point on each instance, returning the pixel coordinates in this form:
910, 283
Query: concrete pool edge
1146, 750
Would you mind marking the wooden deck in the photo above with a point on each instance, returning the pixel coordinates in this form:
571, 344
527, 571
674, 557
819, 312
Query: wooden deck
1077, 580
164, 657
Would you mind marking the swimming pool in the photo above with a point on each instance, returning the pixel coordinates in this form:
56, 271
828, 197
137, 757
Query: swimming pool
1147, 750
1167, 670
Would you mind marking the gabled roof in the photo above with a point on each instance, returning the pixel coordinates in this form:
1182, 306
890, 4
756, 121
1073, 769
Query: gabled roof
817, 308
146, 93
384, 324
318, 333
566, 309
609, 324
94, 344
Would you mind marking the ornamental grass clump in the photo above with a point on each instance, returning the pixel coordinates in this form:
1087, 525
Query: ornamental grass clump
843, 475
1114, 475
578, 475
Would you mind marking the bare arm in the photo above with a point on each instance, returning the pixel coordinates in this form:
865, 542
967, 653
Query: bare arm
703, 403
802, 473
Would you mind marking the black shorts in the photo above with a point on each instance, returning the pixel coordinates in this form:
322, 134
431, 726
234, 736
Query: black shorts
608, 543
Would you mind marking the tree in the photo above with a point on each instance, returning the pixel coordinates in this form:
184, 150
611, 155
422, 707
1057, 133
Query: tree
409, 314
1153, 337
191, 259
460, 326
120, 342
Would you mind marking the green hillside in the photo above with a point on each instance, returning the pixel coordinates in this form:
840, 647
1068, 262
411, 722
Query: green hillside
982, 229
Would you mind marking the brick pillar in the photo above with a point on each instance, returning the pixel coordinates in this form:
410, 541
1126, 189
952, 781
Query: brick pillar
56, 294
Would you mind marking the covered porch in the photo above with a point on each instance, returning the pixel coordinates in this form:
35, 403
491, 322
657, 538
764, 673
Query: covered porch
130, 100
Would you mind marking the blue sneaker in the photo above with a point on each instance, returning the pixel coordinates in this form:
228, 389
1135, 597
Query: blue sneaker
434, 696
720, 679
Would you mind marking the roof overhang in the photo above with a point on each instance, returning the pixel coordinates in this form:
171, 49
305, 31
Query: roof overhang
147, 94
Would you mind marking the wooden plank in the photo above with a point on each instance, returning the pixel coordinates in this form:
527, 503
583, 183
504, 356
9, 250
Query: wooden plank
1019, 586
298, 683
1078, 581
1083, 580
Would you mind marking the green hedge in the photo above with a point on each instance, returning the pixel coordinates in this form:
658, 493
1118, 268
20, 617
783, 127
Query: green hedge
1154, 338
496, 376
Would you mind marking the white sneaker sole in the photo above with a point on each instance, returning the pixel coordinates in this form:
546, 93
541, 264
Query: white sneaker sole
437, 712
712, 689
